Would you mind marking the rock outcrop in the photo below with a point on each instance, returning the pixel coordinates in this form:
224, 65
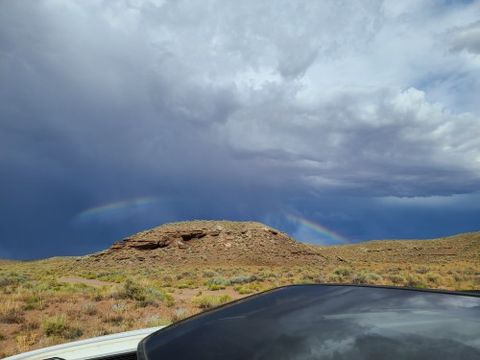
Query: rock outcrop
211, 243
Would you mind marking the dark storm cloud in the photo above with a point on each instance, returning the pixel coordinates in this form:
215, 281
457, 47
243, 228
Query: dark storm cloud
222, 110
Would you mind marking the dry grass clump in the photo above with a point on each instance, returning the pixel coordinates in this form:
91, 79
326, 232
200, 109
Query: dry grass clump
25, 341
210, 301
180, 314
57, 325
11, 313
155, 320
89, 309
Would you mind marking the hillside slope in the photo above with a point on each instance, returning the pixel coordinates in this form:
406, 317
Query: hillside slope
458, 248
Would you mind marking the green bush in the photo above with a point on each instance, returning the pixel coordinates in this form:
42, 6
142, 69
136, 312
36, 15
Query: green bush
130, 291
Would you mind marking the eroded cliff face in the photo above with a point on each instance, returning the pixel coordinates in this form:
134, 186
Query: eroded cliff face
211, 242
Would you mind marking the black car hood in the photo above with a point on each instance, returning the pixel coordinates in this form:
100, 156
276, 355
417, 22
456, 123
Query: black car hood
327, 322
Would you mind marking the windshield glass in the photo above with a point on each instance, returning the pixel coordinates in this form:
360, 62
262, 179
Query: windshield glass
328, 322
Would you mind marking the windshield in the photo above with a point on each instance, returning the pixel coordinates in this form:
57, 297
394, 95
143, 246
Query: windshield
328, 322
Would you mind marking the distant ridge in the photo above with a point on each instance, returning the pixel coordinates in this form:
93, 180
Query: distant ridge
460, 247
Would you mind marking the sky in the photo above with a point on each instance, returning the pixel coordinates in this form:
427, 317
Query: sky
333, 121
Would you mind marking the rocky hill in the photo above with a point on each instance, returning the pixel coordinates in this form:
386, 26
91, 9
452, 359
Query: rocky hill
211, 243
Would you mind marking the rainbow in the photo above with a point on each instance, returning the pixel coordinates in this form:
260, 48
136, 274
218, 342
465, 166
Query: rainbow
115, 208
320, 229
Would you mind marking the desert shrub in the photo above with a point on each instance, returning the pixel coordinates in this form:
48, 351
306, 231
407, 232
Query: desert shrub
248, 288
13, 279
167, 279
146, 302
209, 274
180, 314
185, 274
396, 279
130, 291
210, 301
243, 279
33, 302
432, 277
89, 309
29, 326
54, 325
243, 290
97, 295
72, 333
113, 318
24, 342
154, 321
169, 300
333, 278
360, 278
101, 332
6, 281
215, 287
422, 270
308, 279
415, 281
116, 277
154, 294
373, 278
218, 281
2, 337
10, 313
266, 275
89, 275
394, 270
458, 276
342, 271
118, 307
